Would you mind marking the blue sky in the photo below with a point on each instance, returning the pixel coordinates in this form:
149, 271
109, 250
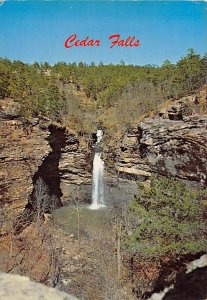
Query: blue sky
36, 30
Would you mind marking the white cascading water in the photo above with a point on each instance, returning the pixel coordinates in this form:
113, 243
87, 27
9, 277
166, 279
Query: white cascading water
98, 177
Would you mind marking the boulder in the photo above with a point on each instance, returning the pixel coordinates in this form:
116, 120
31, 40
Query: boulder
22, 288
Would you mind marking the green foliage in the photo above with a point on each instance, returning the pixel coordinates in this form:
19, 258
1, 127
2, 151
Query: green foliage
125, 92
169, 219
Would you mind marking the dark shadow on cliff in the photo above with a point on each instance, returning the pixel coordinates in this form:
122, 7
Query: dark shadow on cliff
49, 169
191, 286
49, 172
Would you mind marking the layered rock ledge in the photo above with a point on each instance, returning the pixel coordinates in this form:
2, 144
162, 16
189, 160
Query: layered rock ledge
171, 143
31, 149
22, 150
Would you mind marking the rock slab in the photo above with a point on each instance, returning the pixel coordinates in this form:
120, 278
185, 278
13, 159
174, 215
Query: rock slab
22, 288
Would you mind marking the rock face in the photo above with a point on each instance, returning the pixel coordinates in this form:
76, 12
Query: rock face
22, 149
75, 162
129, 162
20, 287
118, 192
176, 148
29, 151
33, 150
75, 167
171, 143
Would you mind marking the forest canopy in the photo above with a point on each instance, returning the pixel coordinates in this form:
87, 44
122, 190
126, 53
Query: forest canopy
44, 89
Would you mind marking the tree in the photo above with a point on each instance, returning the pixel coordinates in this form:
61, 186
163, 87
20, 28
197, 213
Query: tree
40, 199
169, 219
122, 62
42, 89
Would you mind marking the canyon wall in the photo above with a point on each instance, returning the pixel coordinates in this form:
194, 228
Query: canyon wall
75, 167
33, 149
22, 149
172, 142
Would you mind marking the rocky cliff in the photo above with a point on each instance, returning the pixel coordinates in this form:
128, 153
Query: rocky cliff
75, 167
37, 149
22, 150
172, 142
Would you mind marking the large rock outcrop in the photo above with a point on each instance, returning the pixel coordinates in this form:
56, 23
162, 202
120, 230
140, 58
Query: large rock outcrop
173, 142
21, 287
75, 167
22, 149
32, 150
176, 148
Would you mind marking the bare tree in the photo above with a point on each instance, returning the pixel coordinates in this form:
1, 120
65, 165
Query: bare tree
78, 222
40, 199
54, 202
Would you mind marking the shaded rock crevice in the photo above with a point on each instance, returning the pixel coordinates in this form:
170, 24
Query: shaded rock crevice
49, 169
34, 149
142, 148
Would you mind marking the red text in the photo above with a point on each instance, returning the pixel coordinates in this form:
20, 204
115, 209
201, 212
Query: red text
73, 41
129, 42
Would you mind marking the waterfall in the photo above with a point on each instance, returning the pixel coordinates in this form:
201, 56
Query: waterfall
98, 176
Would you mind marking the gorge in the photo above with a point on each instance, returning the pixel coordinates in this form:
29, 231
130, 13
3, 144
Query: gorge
75, 245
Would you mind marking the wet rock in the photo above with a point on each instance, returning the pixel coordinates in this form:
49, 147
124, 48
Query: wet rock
119, 192
129, 163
